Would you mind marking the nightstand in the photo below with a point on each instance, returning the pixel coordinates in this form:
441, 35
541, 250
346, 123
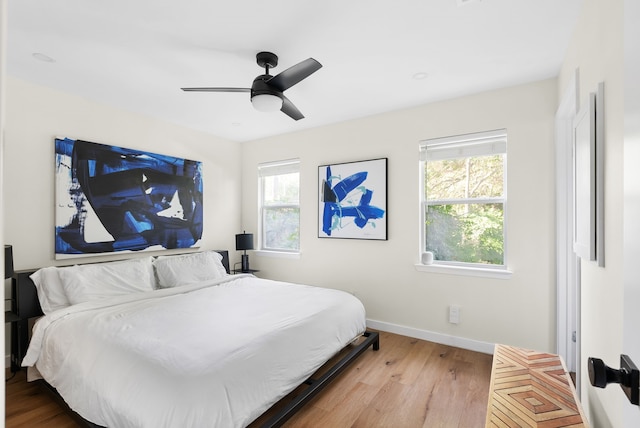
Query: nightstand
236, 271
24, 307
10, 317
16, 326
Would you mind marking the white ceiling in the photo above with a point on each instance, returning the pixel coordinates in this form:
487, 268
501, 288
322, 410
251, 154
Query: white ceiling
137, 54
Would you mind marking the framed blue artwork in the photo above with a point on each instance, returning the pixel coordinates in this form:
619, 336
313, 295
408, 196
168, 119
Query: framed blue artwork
353, 200
110, 199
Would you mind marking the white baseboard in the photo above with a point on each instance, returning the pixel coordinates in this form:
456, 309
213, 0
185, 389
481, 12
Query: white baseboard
445, 339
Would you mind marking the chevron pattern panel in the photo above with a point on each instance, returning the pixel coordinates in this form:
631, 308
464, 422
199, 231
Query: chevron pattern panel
531, 389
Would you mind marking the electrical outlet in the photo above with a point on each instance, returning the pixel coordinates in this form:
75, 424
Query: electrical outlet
454, 314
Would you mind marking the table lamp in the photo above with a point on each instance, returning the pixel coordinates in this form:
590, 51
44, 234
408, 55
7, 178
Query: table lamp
244, 242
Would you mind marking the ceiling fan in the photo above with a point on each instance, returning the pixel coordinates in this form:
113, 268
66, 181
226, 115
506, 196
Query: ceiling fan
267, 91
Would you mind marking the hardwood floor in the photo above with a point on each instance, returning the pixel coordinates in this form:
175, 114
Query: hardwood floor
28, 405
407, 383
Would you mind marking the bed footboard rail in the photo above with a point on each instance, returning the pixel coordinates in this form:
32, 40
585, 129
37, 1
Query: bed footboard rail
314, 386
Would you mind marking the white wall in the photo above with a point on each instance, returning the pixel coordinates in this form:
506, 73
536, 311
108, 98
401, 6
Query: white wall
631, 245
3, 39
520, 310
597, 51
35, 115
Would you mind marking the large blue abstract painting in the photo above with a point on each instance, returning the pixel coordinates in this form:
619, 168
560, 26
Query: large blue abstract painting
353, 200
111, 199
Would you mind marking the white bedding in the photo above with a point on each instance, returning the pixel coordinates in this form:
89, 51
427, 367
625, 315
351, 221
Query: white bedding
216, 354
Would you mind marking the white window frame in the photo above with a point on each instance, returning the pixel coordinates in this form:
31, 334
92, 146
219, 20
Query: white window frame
476, 144
270, 169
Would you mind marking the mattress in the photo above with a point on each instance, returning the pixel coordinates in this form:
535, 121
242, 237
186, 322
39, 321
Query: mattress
213, 354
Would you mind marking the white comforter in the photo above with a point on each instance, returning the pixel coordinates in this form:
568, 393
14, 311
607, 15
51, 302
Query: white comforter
210, 355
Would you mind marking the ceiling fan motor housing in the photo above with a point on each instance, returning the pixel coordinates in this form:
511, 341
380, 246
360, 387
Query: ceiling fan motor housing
260, 87
263, 97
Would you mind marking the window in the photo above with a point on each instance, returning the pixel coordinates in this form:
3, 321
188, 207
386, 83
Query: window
463, 183
280, 206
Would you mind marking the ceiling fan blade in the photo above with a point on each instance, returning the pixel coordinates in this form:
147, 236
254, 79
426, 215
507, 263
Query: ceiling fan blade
216, 89
290, 110
294, 74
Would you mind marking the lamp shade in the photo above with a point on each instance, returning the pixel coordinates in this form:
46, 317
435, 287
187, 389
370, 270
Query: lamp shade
266, 102
8, 261
244, 241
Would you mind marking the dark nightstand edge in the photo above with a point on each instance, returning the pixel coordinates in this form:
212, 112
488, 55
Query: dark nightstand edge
11, 317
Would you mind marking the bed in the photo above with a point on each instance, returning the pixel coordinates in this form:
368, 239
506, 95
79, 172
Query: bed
177, 341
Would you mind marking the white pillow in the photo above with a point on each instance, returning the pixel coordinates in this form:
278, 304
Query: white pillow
50, 291
173, 271
83, 283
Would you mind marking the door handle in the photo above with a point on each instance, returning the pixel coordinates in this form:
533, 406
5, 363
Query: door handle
600, 375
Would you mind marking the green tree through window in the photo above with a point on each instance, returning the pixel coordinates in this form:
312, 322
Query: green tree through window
280, 206
464, 198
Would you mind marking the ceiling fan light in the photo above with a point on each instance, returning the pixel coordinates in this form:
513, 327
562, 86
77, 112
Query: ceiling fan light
266, 102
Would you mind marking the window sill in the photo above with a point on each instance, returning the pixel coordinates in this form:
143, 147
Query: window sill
277, 254
464, 271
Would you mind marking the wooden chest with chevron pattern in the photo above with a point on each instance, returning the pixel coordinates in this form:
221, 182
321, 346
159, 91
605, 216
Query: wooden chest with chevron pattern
531, 389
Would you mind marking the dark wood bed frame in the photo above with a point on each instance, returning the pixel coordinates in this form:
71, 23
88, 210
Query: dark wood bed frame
25, 306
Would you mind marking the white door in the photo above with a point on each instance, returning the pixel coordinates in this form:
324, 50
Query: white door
568, 268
